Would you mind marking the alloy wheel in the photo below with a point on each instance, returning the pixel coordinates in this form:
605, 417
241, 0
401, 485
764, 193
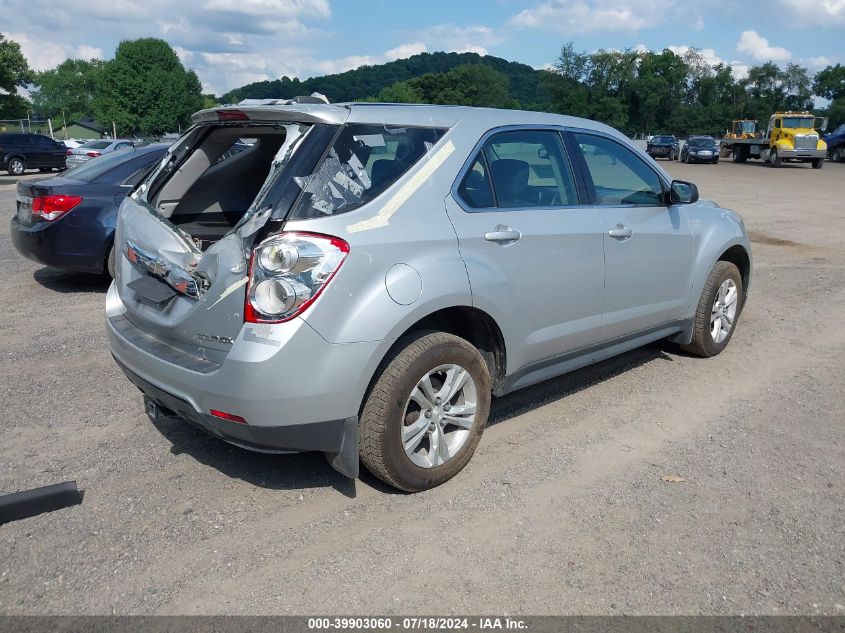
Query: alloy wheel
439, 415
723, 313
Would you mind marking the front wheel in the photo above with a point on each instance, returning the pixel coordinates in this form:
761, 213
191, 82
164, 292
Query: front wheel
426, 412
836, 156
16, 167
774, 159
818, 163
717, 312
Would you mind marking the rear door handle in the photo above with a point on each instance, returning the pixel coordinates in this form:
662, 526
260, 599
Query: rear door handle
502, 235
621, 232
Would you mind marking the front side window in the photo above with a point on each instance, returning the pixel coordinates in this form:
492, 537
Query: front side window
619, 176
363, 161
520, 169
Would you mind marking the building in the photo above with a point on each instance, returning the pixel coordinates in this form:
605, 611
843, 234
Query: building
83, 128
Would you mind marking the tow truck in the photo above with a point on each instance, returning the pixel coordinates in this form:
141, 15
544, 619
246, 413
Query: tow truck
790, 136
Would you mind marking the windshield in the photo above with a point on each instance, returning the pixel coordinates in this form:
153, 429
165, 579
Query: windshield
662, 139
798, 122
697, 142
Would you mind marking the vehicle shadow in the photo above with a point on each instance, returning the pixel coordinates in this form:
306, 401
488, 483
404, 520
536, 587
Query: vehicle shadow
65, 282
294, 471
539, 395
311, 470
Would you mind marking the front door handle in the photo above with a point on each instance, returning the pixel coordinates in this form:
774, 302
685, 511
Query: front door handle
621, 232
502, 235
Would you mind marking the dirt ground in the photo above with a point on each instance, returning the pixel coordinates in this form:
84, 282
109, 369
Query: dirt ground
561, 511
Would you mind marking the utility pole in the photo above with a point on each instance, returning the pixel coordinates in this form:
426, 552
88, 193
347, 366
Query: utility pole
114, 130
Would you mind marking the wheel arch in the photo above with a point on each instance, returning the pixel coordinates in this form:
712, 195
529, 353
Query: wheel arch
739, 257
467, 322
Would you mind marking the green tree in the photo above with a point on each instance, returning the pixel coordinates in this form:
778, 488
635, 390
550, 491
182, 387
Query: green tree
830, 82
14, 73
67, 89
400, 92
470, 84
146, 89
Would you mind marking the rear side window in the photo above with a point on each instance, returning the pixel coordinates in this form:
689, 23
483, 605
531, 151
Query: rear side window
11, 139
96, 144
520, 169
618, 175
363, 161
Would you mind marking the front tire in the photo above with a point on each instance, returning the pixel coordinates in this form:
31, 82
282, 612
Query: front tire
16, 167
774, 159
426, 412
818, 163
718, 311
836, 156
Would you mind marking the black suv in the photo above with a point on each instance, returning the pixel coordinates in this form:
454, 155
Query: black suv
663, 146
19, 152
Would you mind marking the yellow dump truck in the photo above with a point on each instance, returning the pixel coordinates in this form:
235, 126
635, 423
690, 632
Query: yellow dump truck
790, 136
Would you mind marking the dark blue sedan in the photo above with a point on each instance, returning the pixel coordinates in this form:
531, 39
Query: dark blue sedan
67, 222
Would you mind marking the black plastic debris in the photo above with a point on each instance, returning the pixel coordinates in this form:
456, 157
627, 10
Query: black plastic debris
29, 503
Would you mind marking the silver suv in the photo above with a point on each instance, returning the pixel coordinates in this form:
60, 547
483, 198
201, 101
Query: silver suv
363, 278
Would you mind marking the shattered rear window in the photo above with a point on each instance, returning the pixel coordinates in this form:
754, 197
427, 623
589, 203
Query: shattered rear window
363, 161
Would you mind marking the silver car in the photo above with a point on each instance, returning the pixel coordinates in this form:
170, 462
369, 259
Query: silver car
364, 278
92, 149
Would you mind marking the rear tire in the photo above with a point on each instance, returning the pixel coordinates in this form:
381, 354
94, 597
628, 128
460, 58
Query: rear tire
396, 444
16, 167
704, 342
110, 262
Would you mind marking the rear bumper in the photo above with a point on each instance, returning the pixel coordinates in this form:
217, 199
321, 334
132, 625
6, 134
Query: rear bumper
338, 439
296, 391
59, 246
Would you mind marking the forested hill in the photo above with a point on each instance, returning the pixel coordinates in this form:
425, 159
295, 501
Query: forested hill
367, 81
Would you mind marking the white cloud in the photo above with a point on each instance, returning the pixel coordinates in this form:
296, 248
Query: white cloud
708, 54
757, 47
816, 12
585, 16
739, 70
405, 50
83, 51
45, 54
817, 63
276, 8
474, 38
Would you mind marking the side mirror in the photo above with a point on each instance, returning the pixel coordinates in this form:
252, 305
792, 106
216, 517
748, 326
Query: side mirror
683, 192
821, 123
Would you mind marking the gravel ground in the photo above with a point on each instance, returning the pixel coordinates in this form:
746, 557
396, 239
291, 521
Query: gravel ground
561, 511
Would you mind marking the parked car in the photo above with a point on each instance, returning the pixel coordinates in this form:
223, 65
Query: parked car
93, 149
72, 143
663, 146
19, 152
836, 144
363, 278
700, 149
68, 222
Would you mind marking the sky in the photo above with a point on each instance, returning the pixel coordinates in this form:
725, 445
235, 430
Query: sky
233, 42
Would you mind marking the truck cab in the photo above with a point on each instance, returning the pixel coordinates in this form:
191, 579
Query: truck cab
793, 136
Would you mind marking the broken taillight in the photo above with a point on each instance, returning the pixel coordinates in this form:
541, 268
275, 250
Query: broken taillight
53, 207
287, 272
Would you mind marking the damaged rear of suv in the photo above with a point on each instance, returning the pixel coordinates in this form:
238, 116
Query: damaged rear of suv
212, 279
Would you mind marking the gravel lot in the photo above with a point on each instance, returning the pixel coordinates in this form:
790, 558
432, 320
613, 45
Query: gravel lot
562, 510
